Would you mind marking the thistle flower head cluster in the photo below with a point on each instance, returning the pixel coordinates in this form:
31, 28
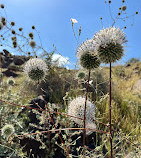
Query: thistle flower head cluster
35, 69
76, 109
7, 130
109, 44
87, 55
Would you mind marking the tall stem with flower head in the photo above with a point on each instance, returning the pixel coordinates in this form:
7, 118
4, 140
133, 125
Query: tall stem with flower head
110, 109
88, 60
110, 49
84, 131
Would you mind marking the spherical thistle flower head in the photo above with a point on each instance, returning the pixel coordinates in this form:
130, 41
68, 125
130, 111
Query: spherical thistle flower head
11, 81
87, 55
81, 75
76, 109
35, 69
123, 8
89, 61
1, 25
7, 130
32, 44
2, 6
109, 44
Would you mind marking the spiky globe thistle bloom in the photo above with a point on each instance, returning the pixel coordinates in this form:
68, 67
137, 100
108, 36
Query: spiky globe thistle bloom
35, 69
7, 130
76, 109
11, 81
109, 44
87, 55
81, 75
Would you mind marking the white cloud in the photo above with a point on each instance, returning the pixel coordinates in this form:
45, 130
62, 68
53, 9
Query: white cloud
60, 60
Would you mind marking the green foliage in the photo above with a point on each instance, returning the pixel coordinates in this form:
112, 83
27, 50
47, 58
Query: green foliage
120, 71
133, 60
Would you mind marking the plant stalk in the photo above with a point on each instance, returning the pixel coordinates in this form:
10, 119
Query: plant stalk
110, 116
84, 130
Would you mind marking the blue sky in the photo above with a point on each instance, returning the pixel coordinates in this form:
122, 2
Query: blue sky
52, 20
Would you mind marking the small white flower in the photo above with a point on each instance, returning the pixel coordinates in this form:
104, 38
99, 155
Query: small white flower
74, 21
35, 69
76, 109
90, 82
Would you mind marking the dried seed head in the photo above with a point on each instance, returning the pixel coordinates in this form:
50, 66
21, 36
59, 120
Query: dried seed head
13, 38
32, 44
31, 35
13, 23
2, 6
33, 27
20, 29
2, 19
13, 31
123, 8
